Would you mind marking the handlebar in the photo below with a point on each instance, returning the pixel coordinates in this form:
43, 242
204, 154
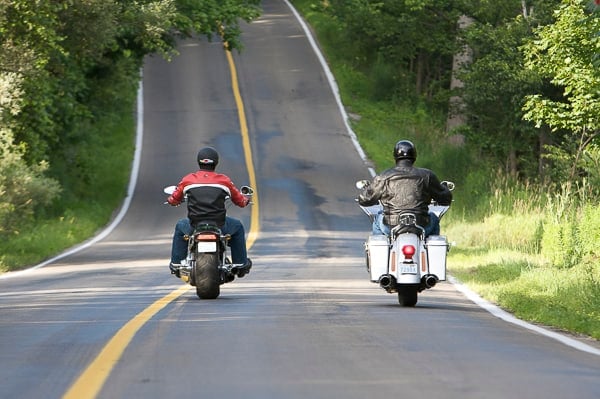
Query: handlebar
365, 183
245, 190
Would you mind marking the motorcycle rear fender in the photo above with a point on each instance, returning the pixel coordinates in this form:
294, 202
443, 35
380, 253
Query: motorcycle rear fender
406, 270
207, 241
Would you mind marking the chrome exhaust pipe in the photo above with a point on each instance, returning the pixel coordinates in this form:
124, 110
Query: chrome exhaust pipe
429, 280
387, 282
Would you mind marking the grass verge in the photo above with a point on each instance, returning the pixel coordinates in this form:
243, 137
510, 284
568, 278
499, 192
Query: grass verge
109, 154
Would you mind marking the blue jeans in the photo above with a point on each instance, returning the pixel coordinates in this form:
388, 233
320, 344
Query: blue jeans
232, 226
433, 228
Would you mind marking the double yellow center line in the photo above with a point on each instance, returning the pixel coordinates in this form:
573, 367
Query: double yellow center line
91, 381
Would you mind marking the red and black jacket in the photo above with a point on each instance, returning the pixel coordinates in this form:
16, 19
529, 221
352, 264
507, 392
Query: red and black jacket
206, 194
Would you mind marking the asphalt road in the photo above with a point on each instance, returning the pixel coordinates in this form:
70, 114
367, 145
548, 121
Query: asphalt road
305, 323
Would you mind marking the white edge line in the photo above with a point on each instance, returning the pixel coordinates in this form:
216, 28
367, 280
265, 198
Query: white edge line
130, 189
333, 85
504, 315
494, 310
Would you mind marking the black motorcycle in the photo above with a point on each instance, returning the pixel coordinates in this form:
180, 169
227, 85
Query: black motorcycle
206, 265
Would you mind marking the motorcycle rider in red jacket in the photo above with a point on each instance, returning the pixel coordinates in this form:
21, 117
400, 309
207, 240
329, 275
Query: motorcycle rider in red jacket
206, 193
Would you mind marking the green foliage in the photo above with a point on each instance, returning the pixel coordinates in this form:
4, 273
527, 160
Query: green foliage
23, 188
558, 244
220, 17
566, 299
68, 76
524, 283
564, 53
493, 105
571, 238
548, 252
405, 47
87, 205
588, 234
496, 82
74, 226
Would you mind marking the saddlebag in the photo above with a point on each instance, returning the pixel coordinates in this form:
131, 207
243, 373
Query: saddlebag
378, 249
437, 248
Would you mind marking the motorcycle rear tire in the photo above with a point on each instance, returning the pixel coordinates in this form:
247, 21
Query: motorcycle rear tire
207, 276
408, 295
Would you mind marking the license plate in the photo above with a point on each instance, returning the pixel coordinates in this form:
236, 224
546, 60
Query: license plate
209, 246
408, 269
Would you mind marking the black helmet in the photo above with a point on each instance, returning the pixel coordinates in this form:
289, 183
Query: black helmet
208, 158
405, 149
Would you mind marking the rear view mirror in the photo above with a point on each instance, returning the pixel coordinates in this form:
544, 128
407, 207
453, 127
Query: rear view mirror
448, 184
362, 184
247, 190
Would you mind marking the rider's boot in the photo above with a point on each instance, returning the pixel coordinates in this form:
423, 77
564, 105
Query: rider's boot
245, 269
174, 267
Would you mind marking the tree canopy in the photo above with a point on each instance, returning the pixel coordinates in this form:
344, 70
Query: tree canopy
529, 92
565, 53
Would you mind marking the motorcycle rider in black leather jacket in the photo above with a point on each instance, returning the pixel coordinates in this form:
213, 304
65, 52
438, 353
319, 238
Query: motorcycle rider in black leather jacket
405, 188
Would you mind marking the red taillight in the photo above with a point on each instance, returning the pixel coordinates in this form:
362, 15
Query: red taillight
408, 251
206, 237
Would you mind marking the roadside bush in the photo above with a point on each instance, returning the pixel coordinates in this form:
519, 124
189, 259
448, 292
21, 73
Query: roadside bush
22, 187
572, 239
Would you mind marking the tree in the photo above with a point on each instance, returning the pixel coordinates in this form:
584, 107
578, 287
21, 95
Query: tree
64, 64
414, 37
565, 53
494, 86
22, 187
216, 17
71, 48
496, 82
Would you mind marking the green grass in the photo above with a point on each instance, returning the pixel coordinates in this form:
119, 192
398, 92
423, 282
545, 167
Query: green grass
531, 260
47, 238
86, 209
529, 287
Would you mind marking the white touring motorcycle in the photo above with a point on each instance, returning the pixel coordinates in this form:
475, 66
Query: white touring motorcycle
406, 262
206, 266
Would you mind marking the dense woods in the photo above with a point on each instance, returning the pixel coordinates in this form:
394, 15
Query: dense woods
529, 86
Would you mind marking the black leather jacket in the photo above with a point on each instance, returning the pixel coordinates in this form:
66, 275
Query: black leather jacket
405, 188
